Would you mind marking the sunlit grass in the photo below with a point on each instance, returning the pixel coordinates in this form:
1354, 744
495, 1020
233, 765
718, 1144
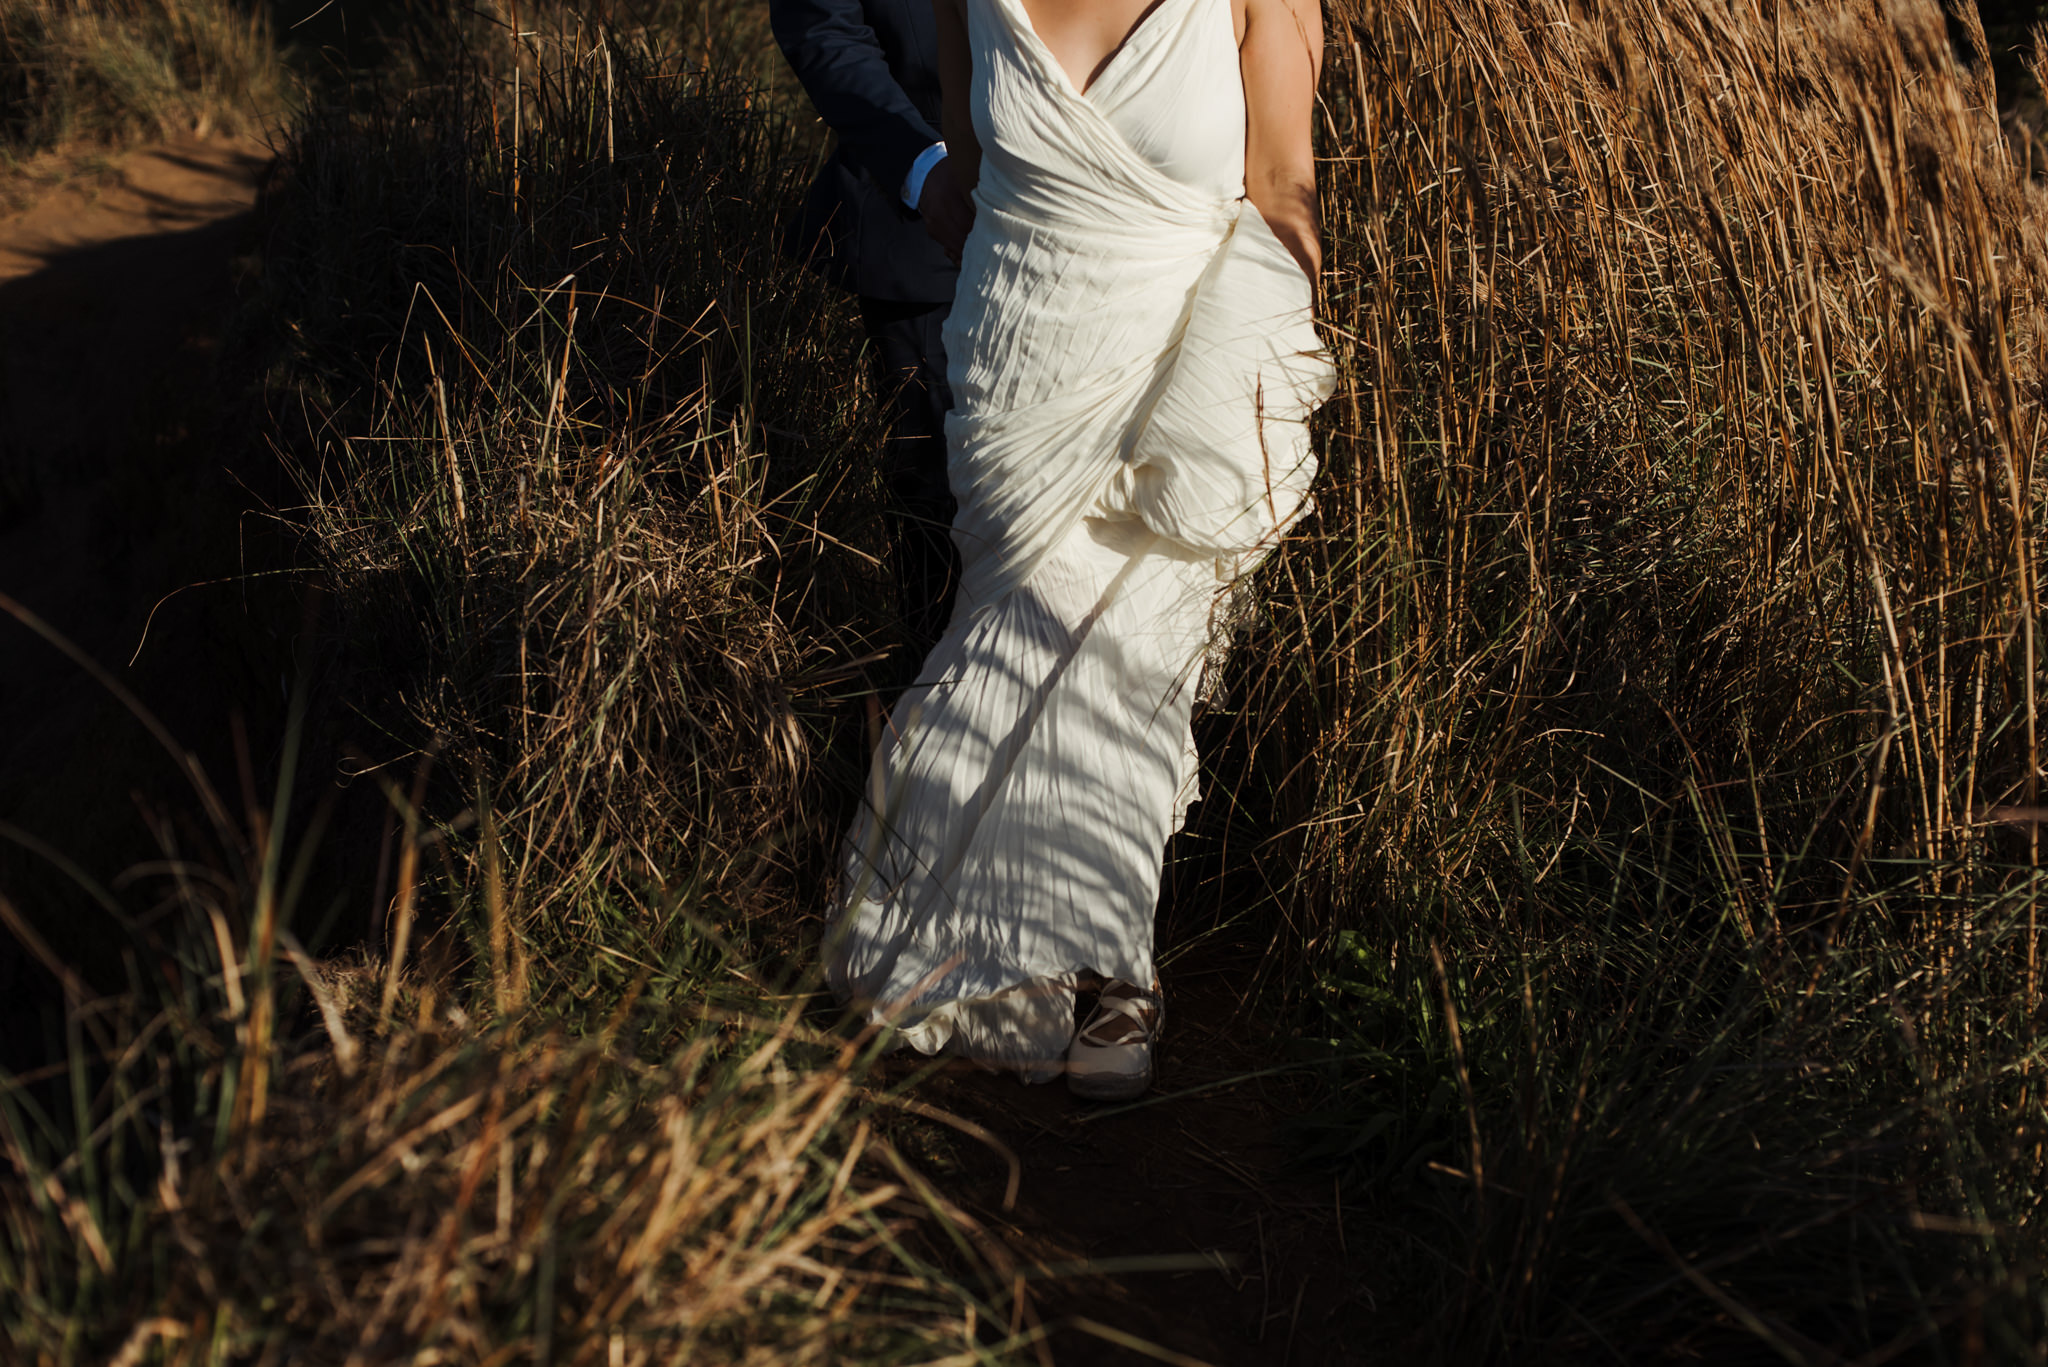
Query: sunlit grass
79, 75
1643, 747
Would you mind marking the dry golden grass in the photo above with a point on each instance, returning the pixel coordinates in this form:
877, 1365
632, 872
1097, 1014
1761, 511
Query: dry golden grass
1643, 748
435, 1191
1634, 767
77, 74
1690, 348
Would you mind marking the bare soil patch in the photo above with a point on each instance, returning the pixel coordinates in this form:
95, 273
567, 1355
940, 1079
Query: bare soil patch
123, 267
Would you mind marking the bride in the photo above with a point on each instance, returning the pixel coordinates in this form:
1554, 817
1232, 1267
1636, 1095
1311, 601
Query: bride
1132, 362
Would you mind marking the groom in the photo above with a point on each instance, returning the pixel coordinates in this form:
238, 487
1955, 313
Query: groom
885, 218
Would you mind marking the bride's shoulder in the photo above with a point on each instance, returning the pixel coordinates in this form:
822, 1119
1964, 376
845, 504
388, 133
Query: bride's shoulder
1302, 17
1287, 25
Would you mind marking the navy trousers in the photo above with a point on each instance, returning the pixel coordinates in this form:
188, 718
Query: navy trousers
912, 361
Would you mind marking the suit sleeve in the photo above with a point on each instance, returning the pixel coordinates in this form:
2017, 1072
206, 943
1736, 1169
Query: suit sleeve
841, 64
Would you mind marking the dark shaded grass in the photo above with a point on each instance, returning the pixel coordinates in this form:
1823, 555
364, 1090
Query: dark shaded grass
566, 523
587, 464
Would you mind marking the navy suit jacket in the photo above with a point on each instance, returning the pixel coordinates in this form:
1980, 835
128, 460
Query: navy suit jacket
871, 68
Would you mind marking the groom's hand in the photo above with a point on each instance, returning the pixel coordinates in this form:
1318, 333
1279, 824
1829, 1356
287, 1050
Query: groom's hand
947, 210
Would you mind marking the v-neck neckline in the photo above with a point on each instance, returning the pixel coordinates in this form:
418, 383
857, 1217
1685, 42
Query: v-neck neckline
1102, 68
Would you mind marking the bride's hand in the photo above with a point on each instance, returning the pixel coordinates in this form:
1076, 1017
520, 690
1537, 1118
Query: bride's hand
1298, 234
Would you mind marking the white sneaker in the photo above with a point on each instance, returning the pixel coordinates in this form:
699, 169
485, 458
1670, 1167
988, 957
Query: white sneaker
1111, 1058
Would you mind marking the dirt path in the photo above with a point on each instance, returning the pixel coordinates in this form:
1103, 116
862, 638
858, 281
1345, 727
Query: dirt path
102, 282
115, 491
1206, 1243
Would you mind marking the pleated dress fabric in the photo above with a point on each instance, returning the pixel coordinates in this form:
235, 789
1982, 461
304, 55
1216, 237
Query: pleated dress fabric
1132, 361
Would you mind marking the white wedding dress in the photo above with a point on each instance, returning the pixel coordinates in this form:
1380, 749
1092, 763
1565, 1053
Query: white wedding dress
1132, 361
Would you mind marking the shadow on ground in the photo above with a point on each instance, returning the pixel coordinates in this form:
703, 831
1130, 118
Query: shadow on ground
1180, 1219
131, 522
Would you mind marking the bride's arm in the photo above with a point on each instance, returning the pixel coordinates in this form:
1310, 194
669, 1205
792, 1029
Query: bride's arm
1281, 55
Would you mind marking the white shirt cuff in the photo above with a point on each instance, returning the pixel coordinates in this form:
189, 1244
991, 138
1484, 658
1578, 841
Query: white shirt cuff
913, 184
